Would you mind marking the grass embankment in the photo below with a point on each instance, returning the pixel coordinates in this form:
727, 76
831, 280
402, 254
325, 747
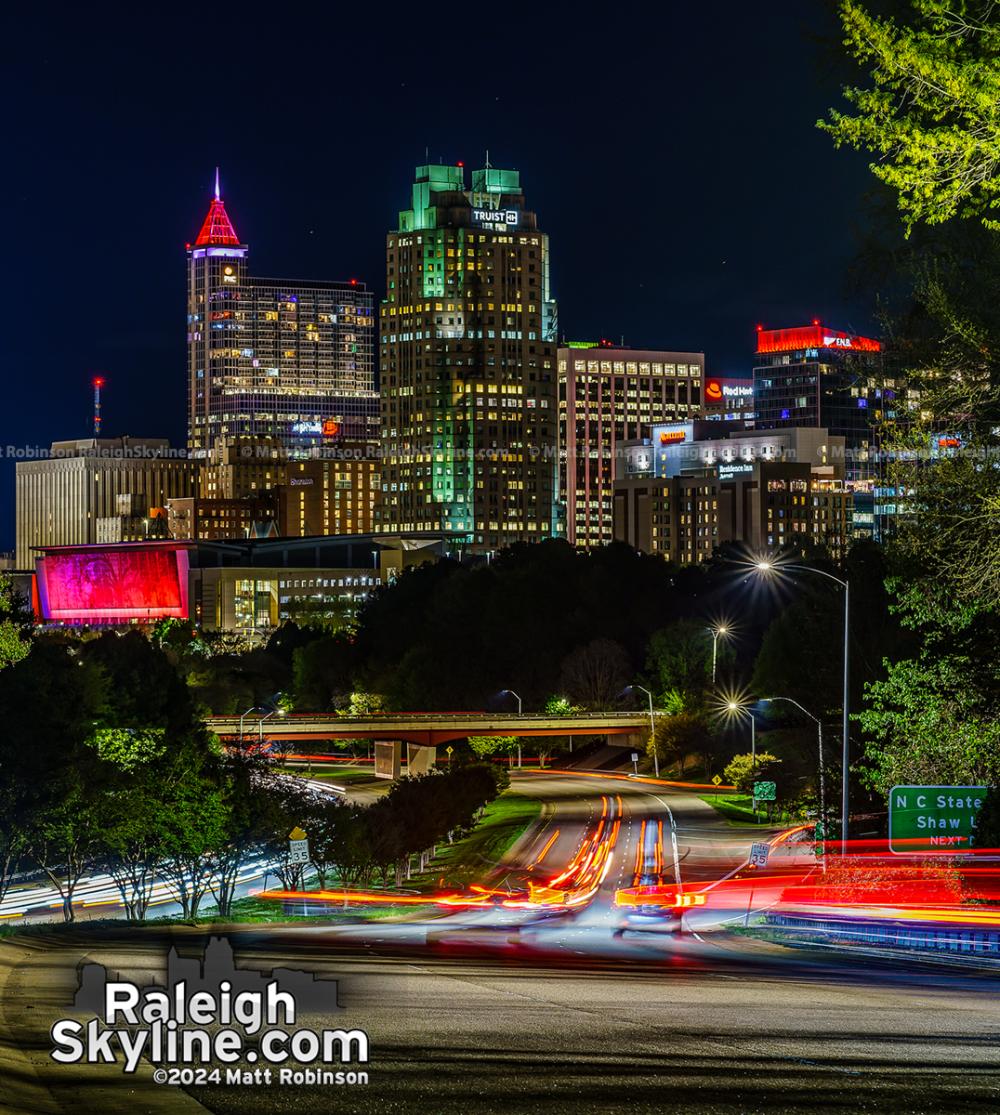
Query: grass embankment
473, 858
738, 809
341, 775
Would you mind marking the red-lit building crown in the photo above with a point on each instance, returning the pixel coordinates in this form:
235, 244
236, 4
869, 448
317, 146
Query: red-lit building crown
812, 336
218, 228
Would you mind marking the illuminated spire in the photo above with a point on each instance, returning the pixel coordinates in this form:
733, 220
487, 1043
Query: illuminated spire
217, 228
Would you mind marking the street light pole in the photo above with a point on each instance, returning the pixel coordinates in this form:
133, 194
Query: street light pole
519, 713
769, 567
716, 632
819, 742
652, 729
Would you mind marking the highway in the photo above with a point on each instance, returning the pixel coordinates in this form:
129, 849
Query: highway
501, 1009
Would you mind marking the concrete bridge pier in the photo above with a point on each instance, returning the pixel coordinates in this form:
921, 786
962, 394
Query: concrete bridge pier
388, 758
420, 759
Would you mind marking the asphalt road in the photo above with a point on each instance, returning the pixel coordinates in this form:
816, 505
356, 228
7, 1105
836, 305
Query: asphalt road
718, 1026
504, 1011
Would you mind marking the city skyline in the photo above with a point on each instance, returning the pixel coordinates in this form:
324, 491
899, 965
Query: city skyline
694, 145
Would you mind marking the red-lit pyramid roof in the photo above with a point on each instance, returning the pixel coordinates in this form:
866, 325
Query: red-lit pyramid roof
218, 228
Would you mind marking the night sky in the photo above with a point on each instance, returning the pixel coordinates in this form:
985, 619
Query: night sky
675, 165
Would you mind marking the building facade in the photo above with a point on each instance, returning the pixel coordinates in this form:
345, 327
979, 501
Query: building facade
277, 358
96, 489
250, 585
608, 396
681, 497
816, 376
197, 518
729, 399
468, 365
332, 494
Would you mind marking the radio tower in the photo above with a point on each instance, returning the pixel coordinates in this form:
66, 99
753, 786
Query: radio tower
98, 382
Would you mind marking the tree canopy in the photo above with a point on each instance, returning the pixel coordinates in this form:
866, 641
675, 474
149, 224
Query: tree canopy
931, 108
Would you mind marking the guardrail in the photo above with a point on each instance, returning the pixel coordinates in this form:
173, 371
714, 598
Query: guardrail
890, 934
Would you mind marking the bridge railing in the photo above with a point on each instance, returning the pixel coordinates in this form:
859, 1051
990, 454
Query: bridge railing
393, 717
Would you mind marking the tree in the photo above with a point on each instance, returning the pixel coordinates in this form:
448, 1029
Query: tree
485, 746
596, 674
931, 112
742, 771
929, 724
680, 659
678, 735
51, 773
16, 624
988, 821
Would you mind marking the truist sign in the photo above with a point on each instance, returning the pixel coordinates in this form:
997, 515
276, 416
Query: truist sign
509, 217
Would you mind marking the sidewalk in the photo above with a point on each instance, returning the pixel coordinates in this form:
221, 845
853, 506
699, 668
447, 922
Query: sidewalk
38, 978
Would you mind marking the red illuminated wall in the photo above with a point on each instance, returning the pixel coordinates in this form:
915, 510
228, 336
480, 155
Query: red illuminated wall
96, 584
813, 336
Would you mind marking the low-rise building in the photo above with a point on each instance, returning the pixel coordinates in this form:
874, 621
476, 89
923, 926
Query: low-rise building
95, 489
250, 585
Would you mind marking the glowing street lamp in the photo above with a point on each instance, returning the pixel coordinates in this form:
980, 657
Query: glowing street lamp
765, 566
260, 726
716, 631
738, 709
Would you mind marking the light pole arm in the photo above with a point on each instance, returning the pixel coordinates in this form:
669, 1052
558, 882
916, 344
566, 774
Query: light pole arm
818, 572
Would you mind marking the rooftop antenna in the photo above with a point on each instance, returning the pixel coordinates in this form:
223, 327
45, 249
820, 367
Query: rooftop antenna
217, 184
488, 166
98, 383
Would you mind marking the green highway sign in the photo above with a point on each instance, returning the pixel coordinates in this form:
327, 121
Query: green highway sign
933, 818
764, 791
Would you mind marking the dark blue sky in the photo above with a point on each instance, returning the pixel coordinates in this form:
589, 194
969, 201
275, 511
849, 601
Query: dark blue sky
672, 159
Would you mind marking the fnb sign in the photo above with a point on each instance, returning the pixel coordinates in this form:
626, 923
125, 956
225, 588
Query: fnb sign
812, 336
926, 819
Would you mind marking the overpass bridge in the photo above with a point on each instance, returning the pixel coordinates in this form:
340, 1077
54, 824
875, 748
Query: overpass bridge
424, 732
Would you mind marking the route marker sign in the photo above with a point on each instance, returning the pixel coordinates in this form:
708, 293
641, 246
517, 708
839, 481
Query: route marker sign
758, 854
716, 780
938, 819
298, 846
765, 791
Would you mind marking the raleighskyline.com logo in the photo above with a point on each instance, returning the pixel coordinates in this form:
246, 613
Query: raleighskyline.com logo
214, 1022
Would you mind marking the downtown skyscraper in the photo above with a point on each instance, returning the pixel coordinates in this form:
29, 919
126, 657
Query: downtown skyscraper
469, 393
276, 359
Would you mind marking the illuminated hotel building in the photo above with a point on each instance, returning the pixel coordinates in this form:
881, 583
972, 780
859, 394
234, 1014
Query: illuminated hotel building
682, 496
292, 361
331, 495
468, 365
608, 396
816, 376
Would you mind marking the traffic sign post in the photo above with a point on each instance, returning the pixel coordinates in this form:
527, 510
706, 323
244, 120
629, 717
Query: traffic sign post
716, 780
635, 762
758, 854
819, 838
298, 847
933, 819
